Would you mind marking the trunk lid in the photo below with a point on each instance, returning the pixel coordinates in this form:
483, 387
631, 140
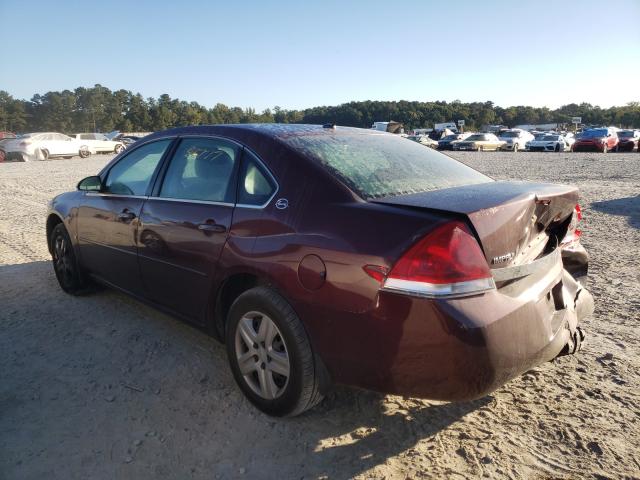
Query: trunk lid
516, 222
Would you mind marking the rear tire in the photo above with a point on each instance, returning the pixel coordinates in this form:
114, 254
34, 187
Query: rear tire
557, 149
604, 148
45, 154
270, 354
515, 148
118, 149
84, 153
65, 264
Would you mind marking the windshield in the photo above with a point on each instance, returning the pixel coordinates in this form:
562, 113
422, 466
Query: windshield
598, 132
449, 138
510, 134
376, 166
551, 137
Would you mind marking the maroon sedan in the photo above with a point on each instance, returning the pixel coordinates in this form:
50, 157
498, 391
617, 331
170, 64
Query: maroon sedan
628, 140
323, 254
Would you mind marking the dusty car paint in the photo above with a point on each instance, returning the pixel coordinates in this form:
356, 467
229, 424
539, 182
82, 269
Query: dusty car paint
449, 348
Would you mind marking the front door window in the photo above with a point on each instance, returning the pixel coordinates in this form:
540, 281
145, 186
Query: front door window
132, 174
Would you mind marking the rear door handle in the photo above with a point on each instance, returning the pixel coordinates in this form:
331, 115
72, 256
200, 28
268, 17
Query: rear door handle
126, 215
212, 227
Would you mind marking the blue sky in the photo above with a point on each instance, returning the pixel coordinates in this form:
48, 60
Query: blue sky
299, 54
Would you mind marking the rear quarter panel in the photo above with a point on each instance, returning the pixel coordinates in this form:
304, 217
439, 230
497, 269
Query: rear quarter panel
324, 219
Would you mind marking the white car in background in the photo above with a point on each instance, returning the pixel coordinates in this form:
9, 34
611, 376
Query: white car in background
99, 143
41, 146
569, 139
515, 139
551, 142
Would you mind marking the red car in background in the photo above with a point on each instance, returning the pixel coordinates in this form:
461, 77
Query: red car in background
596, 139
628, 140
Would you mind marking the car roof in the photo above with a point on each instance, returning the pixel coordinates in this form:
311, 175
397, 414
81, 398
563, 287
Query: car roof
271, 130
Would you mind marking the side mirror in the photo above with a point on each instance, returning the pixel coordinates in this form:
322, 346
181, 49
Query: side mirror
90, 184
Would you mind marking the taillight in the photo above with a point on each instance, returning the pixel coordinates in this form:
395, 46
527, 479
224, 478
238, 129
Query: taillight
446, 262
573, 232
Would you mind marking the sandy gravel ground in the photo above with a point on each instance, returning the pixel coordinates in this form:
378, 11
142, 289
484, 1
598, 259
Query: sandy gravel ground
103, 387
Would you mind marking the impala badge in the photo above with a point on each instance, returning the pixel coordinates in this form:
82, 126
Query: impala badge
282, 203
502, 258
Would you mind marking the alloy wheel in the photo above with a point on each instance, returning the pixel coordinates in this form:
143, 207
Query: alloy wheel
262, 355
62, 260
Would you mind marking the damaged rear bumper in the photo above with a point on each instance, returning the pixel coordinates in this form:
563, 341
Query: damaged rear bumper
464, 348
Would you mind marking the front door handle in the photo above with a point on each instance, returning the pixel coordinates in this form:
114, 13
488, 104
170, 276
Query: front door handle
126, 215
212, 227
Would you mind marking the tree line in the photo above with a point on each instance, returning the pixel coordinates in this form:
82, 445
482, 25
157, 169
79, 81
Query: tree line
99, 109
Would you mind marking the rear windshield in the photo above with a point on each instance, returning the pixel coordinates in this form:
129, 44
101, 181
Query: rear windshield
625, 133
376, 166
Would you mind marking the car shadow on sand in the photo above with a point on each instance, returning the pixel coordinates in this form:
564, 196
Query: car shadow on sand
628, 206
373, 428
106, 363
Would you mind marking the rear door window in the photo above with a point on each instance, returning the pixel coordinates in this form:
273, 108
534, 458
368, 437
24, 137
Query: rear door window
256, 186
202, 169
133, 172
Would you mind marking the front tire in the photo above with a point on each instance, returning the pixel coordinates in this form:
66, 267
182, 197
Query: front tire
604, 148
270, 354
84, 153
65, 264
118, 149
515, 148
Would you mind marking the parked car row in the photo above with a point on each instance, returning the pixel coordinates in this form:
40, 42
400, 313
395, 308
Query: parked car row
601, 139
45, 145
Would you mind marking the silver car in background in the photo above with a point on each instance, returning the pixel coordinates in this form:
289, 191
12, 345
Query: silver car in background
515, 139
551, 142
